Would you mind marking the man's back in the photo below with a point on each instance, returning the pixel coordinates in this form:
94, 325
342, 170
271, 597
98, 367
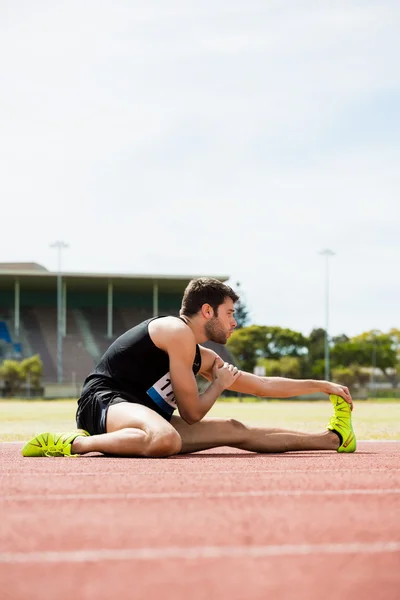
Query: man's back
135, 366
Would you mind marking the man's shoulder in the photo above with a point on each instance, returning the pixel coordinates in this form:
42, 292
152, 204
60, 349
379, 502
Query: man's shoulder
169, 323
169, 331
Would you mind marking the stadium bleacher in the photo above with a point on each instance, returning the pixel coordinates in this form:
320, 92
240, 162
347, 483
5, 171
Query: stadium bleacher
38, 343
34, 329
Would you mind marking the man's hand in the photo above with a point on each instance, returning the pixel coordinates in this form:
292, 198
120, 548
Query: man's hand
225, 375
338, 390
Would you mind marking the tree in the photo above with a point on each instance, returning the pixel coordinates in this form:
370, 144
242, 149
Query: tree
316, 345
383, 352
349, 376
316, 352
16, 373
32, 370
250, 344
284, 342
351, 352
241, 312
246, 346
394, 335
344, 375
317, 369
338, 339
287, 366
372, 349
11, 373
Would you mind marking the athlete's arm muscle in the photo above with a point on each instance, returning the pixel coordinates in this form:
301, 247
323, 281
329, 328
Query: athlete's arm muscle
272, 387
177, 339
181, 348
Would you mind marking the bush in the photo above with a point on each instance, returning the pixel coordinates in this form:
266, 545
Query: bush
16, 374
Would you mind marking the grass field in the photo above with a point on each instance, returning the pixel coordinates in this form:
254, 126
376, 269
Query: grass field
21, 419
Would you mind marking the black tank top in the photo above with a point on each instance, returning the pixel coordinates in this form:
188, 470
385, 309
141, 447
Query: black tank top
134, 365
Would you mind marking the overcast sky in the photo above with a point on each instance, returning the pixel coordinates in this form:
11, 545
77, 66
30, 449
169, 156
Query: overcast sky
209, 137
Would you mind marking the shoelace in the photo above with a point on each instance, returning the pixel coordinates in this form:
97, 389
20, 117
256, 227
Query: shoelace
340, 419
52, 451
343, 407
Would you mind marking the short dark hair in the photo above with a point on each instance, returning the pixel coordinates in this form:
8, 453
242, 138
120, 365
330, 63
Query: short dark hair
205, 290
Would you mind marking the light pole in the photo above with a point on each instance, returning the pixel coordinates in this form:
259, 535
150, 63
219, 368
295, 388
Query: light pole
327, 253
59, 245
373, 340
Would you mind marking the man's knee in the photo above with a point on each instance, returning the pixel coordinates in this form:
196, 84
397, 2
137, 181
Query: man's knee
162, 444
239, 429
237, 425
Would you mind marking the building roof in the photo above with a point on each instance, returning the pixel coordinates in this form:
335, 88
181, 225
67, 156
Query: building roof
33, 275
23, 266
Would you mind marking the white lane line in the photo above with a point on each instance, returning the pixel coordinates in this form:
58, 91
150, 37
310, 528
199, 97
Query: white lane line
182, 474
184, 495
197, 552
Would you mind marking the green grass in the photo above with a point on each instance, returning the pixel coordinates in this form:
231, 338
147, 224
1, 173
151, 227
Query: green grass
21, 419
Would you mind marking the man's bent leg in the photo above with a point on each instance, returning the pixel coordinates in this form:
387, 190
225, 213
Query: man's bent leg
213, 432
132, 430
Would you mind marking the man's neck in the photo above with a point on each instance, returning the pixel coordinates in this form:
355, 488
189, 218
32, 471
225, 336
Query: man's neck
197, 328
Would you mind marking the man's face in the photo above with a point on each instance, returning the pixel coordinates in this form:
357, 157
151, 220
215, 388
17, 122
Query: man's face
219, 329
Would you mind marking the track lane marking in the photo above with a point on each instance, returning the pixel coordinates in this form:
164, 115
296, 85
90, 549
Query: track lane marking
197, 552
187, 495
184, 473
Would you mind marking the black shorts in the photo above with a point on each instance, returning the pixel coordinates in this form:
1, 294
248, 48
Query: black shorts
91, 414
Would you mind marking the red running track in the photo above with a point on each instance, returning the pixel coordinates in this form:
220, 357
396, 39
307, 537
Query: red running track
228, 524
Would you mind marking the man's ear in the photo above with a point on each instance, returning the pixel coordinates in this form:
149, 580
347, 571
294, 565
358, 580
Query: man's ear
207, 311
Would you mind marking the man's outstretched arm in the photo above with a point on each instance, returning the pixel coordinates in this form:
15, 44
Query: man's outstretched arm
282, 387
277, 387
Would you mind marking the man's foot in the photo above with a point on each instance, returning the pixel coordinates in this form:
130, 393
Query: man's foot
52, 444
341, 424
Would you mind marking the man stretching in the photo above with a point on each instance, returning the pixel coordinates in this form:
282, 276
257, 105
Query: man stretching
127, 403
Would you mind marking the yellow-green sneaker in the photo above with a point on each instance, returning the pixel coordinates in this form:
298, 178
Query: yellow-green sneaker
52, 444
341, 424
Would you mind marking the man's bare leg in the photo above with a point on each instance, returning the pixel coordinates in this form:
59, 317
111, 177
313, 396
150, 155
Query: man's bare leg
132, 430
213, 432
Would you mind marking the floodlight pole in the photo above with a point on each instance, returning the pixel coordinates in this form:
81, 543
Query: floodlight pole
59, 245
327, 253
373, 363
